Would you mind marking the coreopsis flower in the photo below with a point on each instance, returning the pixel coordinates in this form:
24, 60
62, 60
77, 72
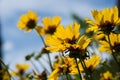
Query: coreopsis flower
91, 63
57, 72
21, 68
106, 76
114, 41
104, 20
49, 25
28, 21
67, 67
67, 39
63, 37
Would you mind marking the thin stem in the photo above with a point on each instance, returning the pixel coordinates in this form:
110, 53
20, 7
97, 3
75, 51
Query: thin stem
50, 63
6, 68
34, 66
78, 69
67, 78
62, 77
85, 68
112, 51
43, 66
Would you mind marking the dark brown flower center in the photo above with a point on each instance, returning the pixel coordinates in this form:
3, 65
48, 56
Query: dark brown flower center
31, 24
50, 30
77, 53
71, 41
107, 27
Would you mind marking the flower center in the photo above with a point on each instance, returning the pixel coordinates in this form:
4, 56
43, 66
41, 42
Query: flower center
50, 30
71, 41
31, 24
77, 53
106, 27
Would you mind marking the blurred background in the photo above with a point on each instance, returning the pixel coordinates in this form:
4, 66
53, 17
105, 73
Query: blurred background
15, 44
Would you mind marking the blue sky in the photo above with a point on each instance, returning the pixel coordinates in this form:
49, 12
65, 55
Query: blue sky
16, 43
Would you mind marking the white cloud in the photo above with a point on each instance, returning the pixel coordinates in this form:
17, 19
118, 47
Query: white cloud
8, 46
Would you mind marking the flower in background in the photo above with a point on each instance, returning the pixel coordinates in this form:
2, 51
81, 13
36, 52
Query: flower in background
68, 66
106, 76
114, 41
104, 20
21, 68
91, 63
28, 21
49, 25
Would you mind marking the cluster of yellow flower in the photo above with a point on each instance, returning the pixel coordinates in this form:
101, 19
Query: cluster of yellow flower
79, 64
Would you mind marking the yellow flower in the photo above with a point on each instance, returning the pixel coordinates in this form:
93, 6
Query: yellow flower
63, 38
49, 25
106, 76
21, 68
104, 20
28, 21
68, 39
91, 63
67, 67
115, 43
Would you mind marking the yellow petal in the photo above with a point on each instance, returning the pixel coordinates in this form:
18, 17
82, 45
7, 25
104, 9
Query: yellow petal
56, 20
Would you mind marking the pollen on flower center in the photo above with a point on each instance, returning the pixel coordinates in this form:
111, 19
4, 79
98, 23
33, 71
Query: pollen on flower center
31, 24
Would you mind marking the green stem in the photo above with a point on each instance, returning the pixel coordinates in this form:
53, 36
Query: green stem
62, 77
6, 68
34, 66
85, 68
78, 69
50, 63
43, 66
112, 51
67, 78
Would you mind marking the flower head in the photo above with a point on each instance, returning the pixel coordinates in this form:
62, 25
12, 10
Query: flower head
91, 63
21, 68
49, 25
68, 39
114, 41
105, 20
28, 21
67, 67
106, 76
63, 38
